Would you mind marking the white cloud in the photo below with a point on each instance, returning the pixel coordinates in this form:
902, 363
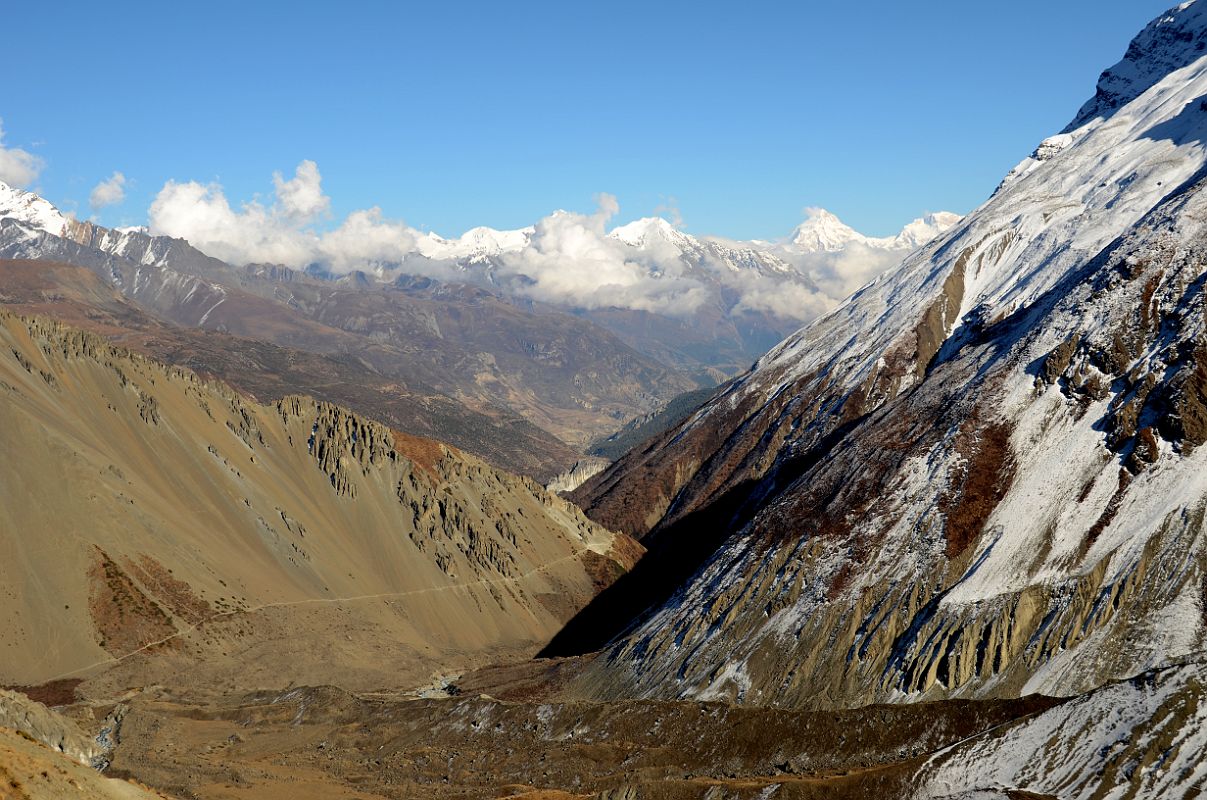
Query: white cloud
668, 209
783, 298
18, 167
301, 198
108, 192
282, 232
254, 233
840, 274
818, 283
570, 259
365, 240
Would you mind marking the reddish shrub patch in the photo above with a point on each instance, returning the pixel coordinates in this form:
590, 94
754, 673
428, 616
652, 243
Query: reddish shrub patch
124, 616
987, 474
1112, 508
177, 595
425, 453
54, 693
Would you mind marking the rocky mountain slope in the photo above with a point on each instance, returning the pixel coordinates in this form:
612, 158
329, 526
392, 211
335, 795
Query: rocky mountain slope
281, 744
31, 771
947, 541
982, 475
158, 527
38, 723
1138, 738
1141, 737
823, 232
45, 755
638, 430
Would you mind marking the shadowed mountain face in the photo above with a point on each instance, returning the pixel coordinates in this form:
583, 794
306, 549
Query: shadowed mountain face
157, 527
981, 476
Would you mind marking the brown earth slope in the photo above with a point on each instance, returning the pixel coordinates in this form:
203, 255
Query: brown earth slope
158, 527
321, 742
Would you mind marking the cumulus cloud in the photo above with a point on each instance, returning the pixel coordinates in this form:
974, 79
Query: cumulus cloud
839, 274
365, 239
18, 167
108, 192
253, 233
785, 297
571, 259
282, 231
301, 197
817, 284
809, 283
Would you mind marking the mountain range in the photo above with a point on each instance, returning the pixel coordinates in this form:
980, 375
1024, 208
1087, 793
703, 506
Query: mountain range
946, 540
467, 359
695, 303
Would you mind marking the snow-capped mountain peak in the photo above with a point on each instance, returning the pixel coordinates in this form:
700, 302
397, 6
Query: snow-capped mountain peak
476, 243
1174, 40
923, 229
32, 210
646, 231
823, 232
1065, 317
735, 274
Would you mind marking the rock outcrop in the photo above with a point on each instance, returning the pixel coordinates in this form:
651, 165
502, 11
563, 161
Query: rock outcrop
582, 471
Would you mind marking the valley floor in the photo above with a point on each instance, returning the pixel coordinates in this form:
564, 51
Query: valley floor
507, 732
518, 731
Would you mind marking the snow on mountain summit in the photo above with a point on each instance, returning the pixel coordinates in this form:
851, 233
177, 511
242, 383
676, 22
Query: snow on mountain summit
646, 231
32, 210
923, 229
1170, 42
823, 232
988, 461
476, 243
663, 265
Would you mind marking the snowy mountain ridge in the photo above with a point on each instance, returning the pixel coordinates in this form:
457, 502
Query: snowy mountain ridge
1170, 42
823, 232
717, 303
474, 244
982, 474
32, 210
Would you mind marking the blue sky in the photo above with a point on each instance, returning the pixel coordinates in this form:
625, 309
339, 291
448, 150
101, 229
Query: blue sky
449, 115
